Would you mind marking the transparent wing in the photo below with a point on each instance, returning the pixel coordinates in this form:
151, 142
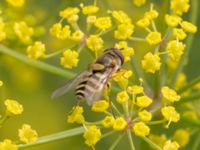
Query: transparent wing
71, 84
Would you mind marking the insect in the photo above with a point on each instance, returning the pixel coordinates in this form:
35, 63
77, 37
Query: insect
90, 84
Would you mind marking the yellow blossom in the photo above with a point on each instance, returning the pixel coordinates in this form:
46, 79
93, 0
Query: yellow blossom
23, 32
56, 29
77, 36
152, 14
170, 145
8, 145
94, 43
172, 20
169, 95
119, 124
179, 34
143, 23
1, 83
175, 49
122, 97
27, 134
154, 38
91, 19
188, 27
127, 52
170, 113
13, 107
139, 2
145, 115
141, 129
121, 17
76, 115
181, 80
182, 137
108, 121
64, 33
179, 6
73, 19
36, 51
151, 62
68, 12
2, 32
69, 59
143, 101
103, 23
16, 3
159, 140
124, 31
100, 106
135, 89
90, 9
92, 135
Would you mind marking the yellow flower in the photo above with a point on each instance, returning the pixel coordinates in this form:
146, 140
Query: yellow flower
108, 121
13, 107
1, 83
100, 106
68, 12
188, 27
135, 89
36, 51
7, 145
121, 17
92, 135
179, 6
124, 31
169, 95
122, 97
143, 23
151, 62
90, 9
77, 36
170, 145
139, 2
69, 59
182, 137
127, 52
27, 134
145, 115
91, 19
179, 34
172, 20
119, 124
141, 129
154, 38
16, 3
159, 140
170, 113
23, 32
103, 23
56, 29
181, 80
152, 14
94, 43
143, 101
73, 19
122, 77
64, 33
76, 115
175, 49
2, 32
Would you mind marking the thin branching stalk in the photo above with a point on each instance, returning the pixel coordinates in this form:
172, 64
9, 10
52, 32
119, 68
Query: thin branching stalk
36, 63
130, 140
116, 142
192, 97
155, 146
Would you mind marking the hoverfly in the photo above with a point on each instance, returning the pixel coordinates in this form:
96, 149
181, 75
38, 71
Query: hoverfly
90, 84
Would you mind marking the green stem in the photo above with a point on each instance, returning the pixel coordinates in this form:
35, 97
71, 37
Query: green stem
189, 121
54, 137
116, 142
36, 63
151, 143
137, 39
189, 41
156, 122
189, 85
130, 140
108, 133
196, 143
192, 97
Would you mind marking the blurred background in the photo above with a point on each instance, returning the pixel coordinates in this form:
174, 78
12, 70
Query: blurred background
33, 87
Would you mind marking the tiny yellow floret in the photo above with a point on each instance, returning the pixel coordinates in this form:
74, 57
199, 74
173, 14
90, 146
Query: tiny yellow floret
179, 6
154, 38
68, 12
172, 20
103, 23
122, 97
169, 145
152, 14
1, 83
94, 43
124, 31
108, 121
135, 89
13, 107
76, 115
121, 17
179, 34
16, 3
36, 51
139, 2
90, 9
100, 106
145, 115
169, 95
70, 58
8, 145
188, 27
77, 36
143, 23
119, 124
143, 101
170, 114
27, 134
141, 129
182, 137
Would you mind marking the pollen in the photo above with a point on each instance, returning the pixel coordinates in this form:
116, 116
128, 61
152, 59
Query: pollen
141, 129
13, 107
100, 106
